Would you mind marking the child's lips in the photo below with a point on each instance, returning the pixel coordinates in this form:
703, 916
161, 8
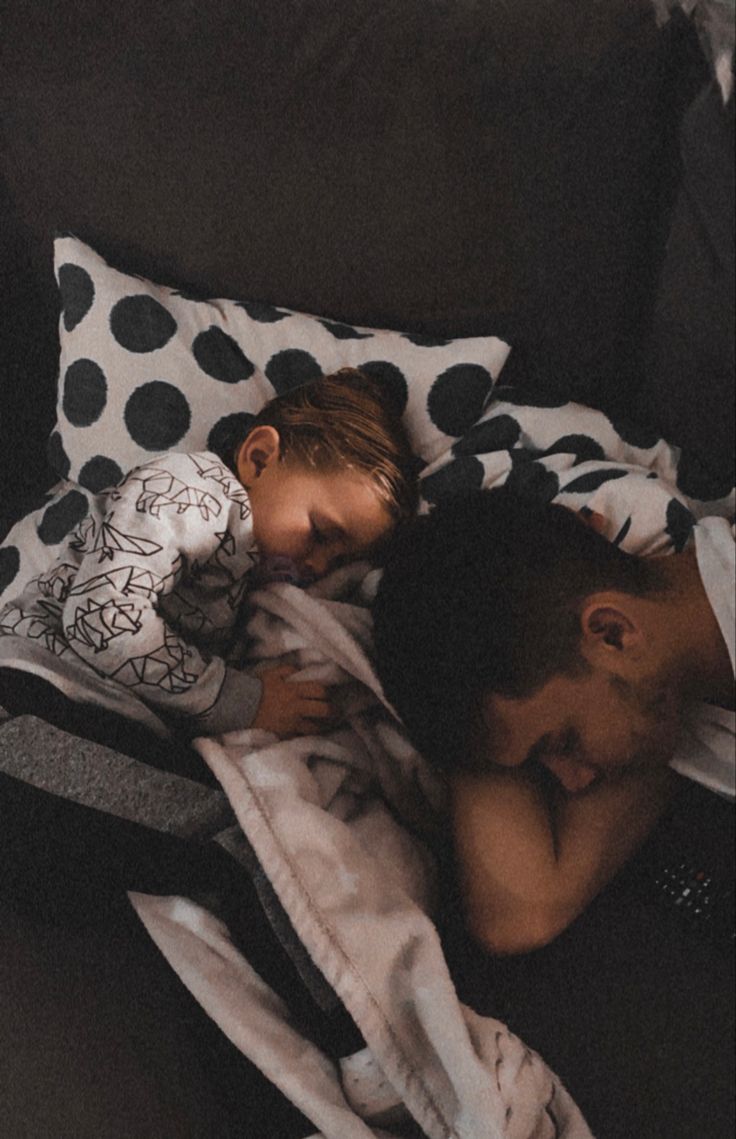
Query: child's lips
278, 567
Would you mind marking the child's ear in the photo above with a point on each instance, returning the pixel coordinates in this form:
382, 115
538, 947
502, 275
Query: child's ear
260, 448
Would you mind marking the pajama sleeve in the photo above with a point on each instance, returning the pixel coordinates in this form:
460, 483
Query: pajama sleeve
162, 524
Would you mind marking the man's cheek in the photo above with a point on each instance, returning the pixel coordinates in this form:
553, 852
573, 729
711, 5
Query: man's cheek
668, 737
658, 744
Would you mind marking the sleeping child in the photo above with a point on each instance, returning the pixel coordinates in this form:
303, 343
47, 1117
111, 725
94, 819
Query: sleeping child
149, 588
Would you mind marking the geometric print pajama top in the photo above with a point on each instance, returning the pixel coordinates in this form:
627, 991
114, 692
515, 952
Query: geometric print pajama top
147, 591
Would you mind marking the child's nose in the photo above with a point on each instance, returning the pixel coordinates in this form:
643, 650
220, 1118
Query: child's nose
318, 563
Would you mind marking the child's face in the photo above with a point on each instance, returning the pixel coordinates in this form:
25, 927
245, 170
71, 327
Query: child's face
313, 518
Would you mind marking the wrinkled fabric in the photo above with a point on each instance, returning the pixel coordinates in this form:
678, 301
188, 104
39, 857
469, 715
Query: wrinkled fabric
342, 825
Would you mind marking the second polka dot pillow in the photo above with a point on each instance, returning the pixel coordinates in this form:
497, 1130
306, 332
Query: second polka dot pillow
145, 368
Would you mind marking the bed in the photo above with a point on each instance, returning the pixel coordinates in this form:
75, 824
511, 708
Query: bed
497, 211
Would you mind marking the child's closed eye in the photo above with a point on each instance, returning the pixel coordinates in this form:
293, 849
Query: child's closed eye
326, 534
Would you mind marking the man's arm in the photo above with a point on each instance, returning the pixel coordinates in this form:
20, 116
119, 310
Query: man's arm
530, 862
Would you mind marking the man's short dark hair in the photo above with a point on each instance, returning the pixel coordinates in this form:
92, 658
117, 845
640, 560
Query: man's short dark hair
483, 595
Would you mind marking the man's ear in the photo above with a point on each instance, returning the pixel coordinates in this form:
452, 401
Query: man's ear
610, 629
593, 519
260, 448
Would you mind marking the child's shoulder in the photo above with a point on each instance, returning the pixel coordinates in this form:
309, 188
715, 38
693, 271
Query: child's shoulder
180, 474
185, 465
182, 480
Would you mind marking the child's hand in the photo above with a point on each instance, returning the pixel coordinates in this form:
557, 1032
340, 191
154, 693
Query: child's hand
290, 708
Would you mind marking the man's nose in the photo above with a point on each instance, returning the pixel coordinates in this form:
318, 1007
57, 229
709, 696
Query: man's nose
573, 774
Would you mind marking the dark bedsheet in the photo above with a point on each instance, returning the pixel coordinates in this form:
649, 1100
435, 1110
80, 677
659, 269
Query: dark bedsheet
633, 1004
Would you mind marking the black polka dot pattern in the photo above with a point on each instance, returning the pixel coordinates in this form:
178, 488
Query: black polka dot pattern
227, 433
57, 457
9, 566
531, 398
697, 481
634, 433
61, 517
141, 323
618, 539
77, 294
458, 477
147, 336
591, 480
344, 331
392, 381
98, 473
220, 357
532, 479
680, 524
175, 362
499, 434
292, 368
262, 312
458, 397
582, 447
85, 392
157, 416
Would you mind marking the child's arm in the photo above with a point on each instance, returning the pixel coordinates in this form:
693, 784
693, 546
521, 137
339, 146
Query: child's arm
291, 707
528, 865
163, 522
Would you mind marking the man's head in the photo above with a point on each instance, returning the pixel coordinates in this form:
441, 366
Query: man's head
329, 472
508, 632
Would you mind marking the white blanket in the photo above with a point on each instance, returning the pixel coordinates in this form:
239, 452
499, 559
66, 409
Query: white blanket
338, 824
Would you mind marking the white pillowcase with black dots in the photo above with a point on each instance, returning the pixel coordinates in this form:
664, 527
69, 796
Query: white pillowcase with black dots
570, 454
145, 368
118, 405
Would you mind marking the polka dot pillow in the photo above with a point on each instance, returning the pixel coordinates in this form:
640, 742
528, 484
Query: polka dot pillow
145, 368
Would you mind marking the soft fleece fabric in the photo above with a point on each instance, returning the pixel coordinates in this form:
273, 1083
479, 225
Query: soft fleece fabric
338, 825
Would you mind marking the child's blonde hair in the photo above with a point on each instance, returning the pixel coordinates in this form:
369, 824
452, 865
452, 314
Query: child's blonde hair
345, 420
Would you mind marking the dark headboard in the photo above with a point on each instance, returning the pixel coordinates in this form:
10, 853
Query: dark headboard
450, 167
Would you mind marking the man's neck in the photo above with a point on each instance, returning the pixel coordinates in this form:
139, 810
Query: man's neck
695, 634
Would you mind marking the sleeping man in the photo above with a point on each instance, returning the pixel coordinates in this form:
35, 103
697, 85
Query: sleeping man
559, 683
